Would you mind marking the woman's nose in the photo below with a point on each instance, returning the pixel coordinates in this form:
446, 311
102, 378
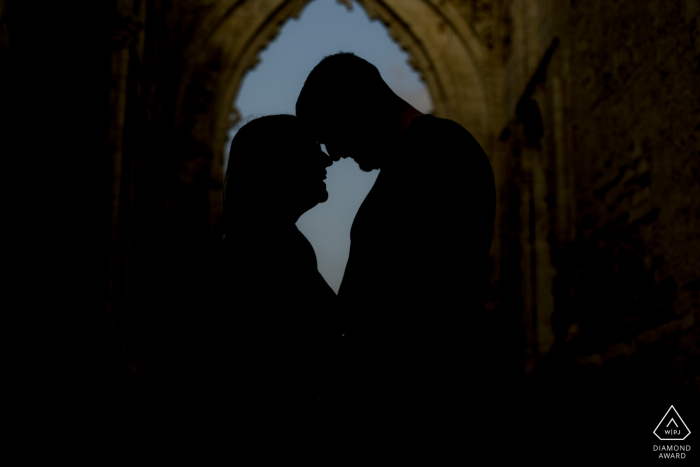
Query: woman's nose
327, 161
334, 155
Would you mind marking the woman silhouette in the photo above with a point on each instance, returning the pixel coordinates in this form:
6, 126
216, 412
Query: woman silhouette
282, 310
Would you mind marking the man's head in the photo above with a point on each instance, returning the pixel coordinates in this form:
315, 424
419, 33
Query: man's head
351, 109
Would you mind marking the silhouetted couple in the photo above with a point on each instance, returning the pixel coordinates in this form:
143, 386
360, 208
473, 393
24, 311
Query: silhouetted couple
394, 361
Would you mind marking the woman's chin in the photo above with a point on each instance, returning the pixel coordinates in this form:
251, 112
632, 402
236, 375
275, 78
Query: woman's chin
321, 197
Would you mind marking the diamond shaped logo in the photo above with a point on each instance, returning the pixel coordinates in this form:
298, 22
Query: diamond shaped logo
671, 427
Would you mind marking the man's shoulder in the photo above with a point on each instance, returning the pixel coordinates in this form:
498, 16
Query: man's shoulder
432, 144
428, 123
431, 133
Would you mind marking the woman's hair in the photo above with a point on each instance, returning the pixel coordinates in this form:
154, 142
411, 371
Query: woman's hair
255, 148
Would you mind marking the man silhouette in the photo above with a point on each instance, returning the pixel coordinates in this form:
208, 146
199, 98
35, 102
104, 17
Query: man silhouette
414, 290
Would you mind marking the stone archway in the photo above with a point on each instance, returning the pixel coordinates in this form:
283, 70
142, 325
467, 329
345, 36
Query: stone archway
440, 37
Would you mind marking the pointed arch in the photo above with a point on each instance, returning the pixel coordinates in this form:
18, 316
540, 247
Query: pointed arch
441, 45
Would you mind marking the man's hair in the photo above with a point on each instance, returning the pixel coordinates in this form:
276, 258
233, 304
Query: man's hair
341, 74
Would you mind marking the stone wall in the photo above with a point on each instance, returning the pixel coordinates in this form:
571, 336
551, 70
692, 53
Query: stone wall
600, 210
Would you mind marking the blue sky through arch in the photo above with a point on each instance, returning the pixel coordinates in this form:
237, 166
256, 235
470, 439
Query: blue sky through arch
326, 27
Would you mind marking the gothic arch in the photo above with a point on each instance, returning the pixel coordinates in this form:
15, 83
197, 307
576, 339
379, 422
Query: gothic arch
450, 58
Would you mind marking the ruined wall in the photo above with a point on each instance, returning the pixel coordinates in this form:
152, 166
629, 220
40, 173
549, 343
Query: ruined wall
636, 134
110, 214
600, 207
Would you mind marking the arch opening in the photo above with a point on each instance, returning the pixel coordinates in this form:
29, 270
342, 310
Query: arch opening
272, 87
439, 41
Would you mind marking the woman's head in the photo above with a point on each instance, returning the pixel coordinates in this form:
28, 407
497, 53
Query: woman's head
274, 169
